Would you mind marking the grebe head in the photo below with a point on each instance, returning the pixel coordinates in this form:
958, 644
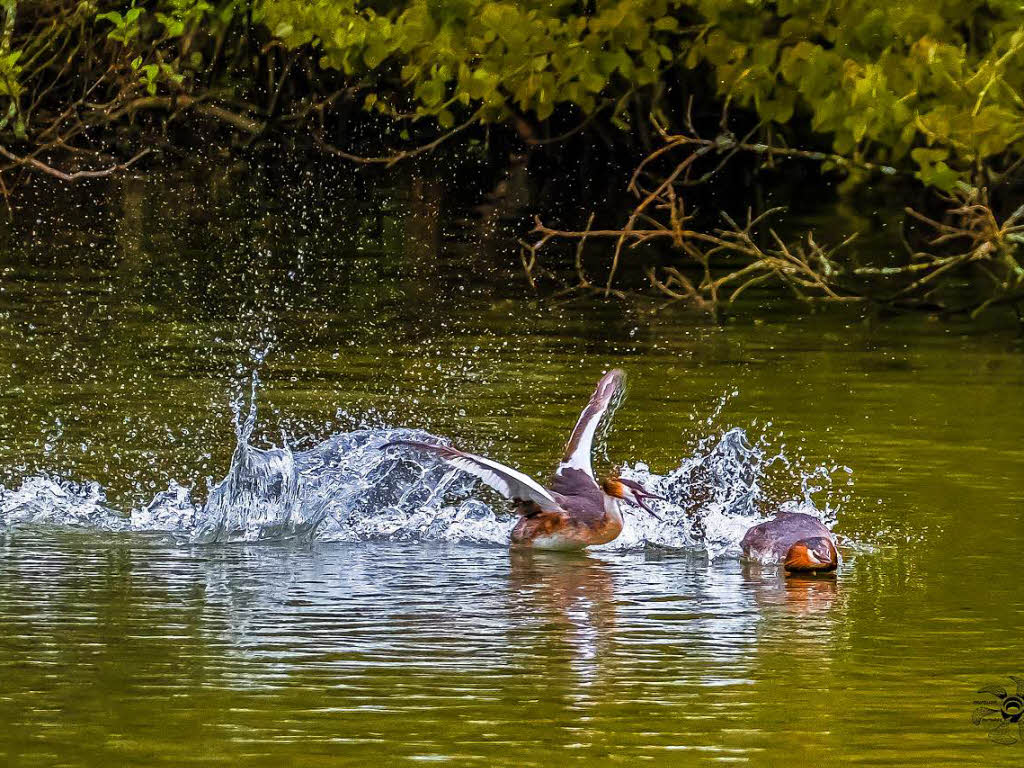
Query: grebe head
814, 554
631, 491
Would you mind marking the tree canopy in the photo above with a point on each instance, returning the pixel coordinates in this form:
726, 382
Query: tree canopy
929, 87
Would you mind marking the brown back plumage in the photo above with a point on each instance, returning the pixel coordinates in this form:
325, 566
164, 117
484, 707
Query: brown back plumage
776, 536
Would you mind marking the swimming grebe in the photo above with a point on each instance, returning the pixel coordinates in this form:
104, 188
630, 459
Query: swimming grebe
799, 541
576, 511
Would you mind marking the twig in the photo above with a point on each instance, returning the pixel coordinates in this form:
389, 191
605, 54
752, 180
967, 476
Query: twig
74, 176
184, 101
389, 160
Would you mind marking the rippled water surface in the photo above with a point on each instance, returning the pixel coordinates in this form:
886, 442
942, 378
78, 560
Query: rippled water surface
171, 594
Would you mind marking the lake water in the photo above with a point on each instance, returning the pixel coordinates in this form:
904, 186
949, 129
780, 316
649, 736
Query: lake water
132, 315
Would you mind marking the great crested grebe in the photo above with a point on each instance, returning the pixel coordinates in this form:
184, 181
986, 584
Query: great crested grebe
575, 511
799, 541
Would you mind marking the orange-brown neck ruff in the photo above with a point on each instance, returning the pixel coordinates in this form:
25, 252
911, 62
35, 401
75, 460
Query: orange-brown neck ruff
799, 559
612, 487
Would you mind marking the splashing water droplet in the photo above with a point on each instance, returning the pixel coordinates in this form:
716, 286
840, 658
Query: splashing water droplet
351, 488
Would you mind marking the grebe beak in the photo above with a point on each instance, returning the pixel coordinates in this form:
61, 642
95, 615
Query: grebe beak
639, 496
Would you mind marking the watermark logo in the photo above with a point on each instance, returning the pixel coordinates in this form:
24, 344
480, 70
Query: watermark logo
1002, 715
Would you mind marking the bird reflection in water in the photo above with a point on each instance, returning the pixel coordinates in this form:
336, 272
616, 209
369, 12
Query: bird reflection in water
797, 595
573, 596
776, 593
800, 632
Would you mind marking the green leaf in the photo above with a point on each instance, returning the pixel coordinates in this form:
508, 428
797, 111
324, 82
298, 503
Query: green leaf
113, 17
375, 53
431, 92
593, 81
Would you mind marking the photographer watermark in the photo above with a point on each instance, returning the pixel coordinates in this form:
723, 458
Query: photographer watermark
1002, 715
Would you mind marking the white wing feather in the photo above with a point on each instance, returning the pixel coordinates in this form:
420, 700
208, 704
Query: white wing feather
510, 483
581, 442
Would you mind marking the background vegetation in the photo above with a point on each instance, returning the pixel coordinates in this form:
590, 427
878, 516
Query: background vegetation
924, 92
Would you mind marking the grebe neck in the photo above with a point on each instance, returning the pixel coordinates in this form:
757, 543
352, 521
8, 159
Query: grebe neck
611, 509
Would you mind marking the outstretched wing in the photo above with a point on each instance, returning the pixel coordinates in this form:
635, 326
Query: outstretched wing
609, 390
505, 480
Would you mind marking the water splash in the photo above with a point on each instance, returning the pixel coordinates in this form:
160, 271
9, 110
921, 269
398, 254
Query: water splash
348, 489
45, 500
259, 498
719, 492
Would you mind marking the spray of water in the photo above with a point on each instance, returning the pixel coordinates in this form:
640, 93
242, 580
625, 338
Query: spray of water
348, 488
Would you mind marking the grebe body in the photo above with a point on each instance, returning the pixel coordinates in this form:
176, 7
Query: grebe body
575, 511
800, 542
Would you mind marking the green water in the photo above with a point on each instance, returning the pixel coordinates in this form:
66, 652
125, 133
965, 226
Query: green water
129, 315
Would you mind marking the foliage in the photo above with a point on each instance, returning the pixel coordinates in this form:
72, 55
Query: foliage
164, 38
73, 72
938, 80
932, 87
497, 57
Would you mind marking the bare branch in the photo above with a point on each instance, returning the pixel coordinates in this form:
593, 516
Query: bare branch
74, 176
